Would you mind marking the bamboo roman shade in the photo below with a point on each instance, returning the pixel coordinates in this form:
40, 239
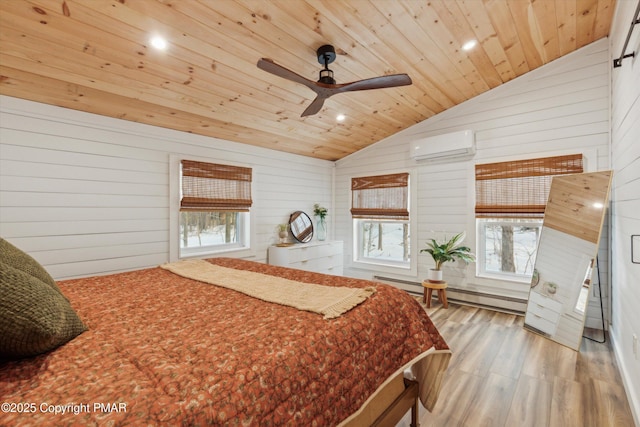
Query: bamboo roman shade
520, 188
210, 186
382, 196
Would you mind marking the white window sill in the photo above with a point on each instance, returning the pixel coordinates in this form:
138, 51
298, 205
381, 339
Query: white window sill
390, 268
235, 253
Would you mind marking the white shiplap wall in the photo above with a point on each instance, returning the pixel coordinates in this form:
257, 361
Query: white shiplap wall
625, 159
86, 194
560, 108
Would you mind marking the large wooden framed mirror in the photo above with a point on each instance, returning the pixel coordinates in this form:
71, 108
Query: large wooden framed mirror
566, 255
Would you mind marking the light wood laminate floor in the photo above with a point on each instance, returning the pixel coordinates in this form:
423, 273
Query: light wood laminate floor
503, 375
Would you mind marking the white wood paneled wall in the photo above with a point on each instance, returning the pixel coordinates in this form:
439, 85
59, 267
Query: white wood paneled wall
625, 208
86, 194
560, 108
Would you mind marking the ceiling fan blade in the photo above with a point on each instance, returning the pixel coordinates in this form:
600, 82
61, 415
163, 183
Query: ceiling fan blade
269, 66
325, 90
376, 83
315, 106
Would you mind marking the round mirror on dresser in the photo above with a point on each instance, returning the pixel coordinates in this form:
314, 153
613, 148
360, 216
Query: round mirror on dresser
301, 227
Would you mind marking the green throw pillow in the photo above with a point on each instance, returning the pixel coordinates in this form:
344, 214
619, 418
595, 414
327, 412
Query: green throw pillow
35, 317
16, 258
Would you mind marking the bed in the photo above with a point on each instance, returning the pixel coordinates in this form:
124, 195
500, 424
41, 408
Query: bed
163, 349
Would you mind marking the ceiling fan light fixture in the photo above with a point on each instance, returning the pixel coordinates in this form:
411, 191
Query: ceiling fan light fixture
340, 118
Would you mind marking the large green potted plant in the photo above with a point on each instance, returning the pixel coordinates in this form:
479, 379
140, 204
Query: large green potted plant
449, 250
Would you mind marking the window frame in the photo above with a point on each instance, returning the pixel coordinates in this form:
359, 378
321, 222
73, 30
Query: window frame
239, 250
359, 235
410, 268
481, 243
220, 248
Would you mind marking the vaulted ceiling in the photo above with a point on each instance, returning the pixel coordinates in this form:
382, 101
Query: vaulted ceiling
96, 56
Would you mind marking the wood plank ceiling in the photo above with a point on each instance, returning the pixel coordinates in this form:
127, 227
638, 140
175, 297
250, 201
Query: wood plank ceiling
95, 56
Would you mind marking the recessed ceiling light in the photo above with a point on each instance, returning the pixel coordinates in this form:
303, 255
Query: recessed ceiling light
469, 45
158, 42
341, 117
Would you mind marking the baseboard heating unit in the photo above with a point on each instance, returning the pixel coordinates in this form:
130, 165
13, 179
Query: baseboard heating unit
500, 303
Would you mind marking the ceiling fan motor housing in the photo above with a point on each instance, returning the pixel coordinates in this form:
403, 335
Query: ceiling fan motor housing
326, 55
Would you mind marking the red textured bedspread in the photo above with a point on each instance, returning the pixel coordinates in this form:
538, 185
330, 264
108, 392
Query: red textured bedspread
163, 349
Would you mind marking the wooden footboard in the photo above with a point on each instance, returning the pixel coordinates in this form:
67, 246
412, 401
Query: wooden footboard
390, 403
388, 406
408, 399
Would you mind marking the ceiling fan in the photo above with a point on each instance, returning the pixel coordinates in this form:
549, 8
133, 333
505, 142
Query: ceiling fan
326, 86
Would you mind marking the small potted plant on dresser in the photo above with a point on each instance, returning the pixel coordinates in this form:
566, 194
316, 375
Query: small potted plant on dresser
283, 232
449, 250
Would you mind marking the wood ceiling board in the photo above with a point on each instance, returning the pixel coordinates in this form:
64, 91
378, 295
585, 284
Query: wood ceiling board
507, 33
94, 56
487, 36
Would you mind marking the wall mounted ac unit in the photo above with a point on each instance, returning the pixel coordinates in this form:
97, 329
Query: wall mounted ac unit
441, 147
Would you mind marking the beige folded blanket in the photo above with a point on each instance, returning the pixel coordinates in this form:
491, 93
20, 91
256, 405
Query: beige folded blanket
330, 301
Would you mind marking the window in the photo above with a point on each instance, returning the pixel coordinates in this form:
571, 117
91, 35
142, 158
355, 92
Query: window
214, 207
383, 241
510, 203
380, 211
508, 246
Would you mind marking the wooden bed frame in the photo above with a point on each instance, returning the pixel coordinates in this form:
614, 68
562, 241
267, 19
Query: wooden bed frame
389, 405
403, 391
408, 399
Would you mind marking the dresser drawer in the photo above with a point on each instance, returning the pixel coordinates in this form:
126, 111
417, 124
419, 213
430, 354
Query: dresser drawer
306, 253
329, 262
335, 270
330, 249
307, 264
321, 257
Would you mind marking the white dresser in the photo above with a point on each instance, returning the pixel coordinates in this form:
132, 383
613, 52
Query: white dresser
321, 257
